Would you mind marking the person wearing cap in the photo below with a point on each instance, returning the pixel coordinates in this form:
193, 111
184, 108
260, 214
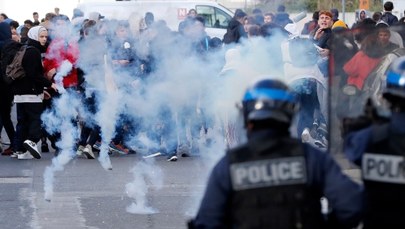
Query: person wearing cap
95, 16
378, 147
274, 180
335, 14
339, 24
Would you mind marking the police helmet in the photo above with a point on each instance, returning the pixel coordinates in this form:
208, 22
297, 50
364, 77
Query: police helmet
269, 99
395, 87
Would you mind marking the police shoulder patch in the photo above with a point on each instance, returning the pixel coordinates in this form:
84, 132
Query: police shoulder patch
269, 172
383, 168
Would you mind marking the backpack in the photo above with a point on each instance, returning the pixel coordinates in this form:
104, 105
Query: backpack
15, 70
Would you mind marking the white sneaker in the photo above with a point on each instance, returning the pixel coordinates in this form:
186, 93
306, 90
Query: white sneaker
15, 154
88, 152
32, 148
79, 151
25, 156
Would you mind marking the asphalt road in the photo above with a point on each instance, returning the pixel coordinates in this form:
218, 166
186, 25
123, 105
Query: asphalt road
87, 196
137, 193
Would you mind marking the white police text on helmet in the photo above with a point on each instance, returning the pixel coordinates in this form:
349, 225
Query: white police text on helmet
383, 168
269, 172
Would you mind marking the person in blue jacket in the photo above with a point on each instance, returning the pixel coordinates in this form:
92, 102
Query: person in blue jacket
275, 181
379, 149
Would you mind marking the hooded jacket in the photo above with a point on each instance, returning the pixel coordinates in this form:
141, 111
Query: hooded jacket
5, 37
34, 81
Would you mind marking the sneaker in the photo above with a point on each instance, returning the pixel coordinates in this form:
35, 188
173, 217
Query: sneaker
173, 156
185, 155
79, 151
184, 151
32, 148
7, 152
130, 150
118, 148
15, 154
44, 147
25, 156
88, 152
97, 146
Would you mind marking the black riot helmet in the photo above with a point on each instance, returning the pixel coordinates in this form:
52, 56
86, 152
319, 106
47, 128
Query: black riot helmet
269, 100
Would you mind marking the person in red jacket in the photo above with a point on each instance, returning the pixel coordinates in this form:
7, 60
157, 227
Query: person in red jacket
60, 63
62, 54
363, 62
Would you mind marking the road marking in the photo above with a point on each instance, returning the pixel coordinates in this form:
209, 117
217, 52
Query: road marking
15, 180
62, 212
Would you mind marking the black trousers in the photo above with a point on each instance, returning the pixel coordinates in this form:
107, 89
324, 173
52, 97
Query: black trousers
5, 116
28, 123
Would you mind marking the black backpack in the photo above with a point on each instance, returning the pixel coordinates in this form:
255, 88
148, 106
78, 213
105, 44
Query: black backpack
15, 70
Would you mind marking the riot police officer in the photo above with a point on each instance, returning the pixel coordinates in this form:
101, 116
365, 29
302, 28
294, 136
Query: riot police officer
380, 151
275, 181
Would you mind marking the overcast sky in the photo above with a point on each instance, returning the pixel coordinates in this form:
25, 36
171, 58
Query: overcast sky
21, 10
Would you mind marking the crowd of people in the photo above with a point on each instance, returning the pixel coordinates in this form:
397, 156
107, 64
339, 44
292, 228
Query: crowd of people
94, 84
136, 49
67, 62
275, 181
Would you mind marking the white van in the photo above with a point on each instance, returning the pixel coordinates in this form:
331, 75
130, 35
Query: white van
216, 16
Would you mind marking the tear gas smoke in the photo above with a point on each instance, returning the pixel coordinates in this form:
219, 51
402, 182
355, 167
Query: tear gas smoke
143, 172
184, 103
65, 110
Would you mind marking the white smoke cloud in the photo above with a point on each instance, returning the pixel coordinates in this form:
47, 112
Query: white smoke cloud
61, 118
64, 69
186, 103
143, 172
